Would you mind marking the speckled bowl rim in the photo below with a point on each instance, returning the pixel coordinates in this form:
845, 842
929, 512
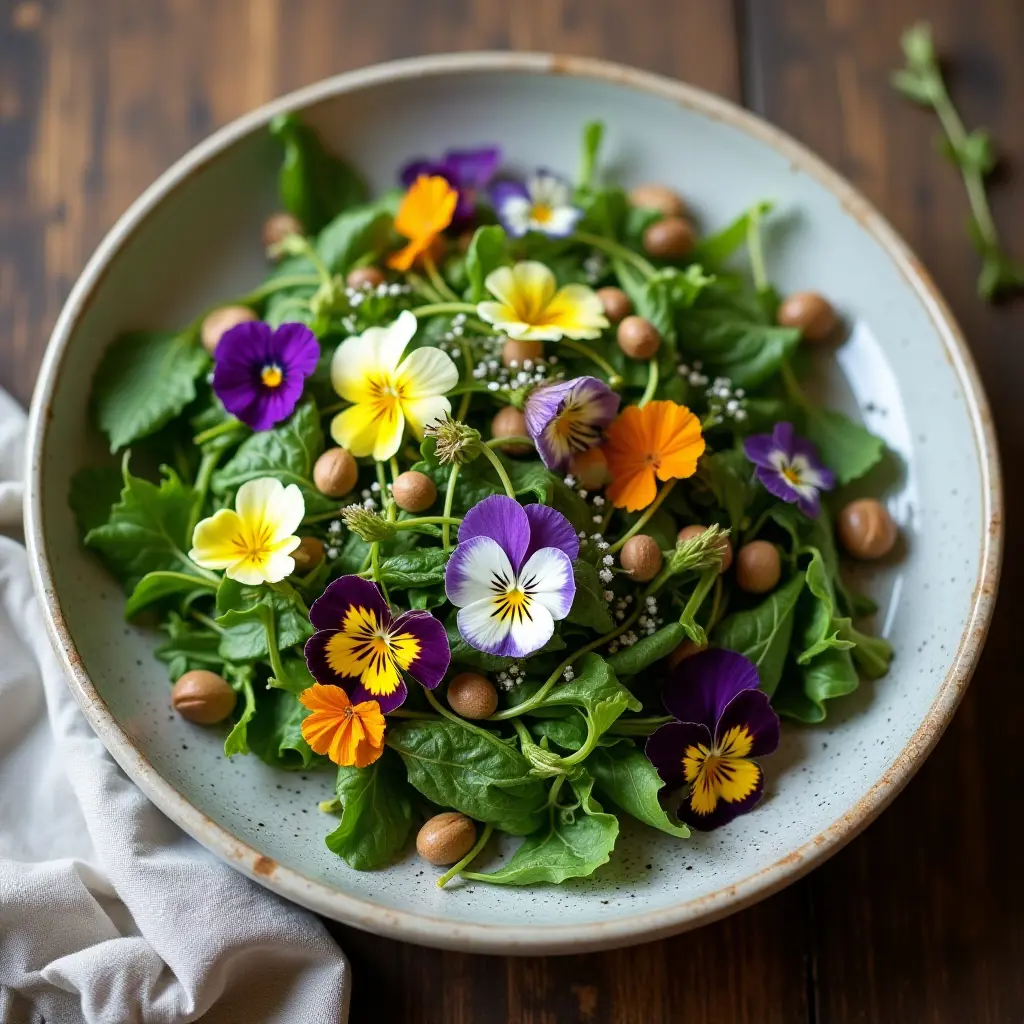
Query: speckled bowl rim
522, 939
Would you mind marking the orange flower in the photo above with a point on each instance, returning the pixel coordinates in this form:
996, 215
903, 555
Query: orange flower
349, 734
660, 440
426, 210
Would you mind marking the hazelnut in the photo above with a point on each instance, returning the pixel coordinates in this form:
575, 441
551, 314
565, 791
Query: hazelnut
670, 239
335, 472
658, 197
638, 338
277, 227
511, 422
365, 277
811, 313
518, 351
446, 838
641, 557
616, 302
590, 468
687, 649
203, 697
308, 554
413, 491
217, 322
866, 529
695, 530
472, 695
758, 567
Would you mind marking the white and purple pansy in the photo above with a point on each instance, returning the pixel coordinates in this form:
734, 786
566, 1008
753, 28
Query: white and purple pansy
789, 467
543, 204
568, 417
511, 576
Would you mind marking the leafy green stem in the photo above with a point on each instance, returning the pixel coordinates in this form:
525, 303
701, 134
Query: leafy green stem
409, 524
440, 308
756, 250
207, 464
452, 717
638, 726
665, 491
449, 498
375, 569
458, 868
652, 382
266, 613
278, 284
614, 248
206, 621
228, 426
509, 442
614, 378
439, 283
499, 469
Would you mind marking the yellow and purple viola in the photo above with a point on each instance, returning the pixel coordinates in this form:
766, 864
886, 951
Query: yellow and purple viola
511, 575
723, 721
542, 204
361, 647
259, 372
567, 418
788, 466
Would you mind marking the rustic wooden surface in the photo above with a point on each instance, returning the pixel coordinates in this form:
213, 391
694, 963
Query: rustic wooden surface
921, 918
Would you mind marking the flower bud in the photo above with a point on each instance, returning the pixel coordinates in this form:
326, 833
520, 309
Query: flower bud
366, 524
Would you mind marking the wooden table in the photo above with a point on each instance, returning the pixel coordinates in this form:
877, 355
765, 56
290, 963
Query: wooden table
920, 919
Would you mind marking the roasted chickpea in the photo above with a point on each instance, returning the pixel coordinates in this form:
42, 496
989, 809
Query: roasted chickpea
445, 838
472, 695
811, 313
414, 491
658, 197
203, 697
590, 468
866, 529
277, 227
638, 337
641, 557
515, 352
616, 303
219, 321
511, 422
695, 530
308, 554
670, 239
758, 567
365, 277
335, 472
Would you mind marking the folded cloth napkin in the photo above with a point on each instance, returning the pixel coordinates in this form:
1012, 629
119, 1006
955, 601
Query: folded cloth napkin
108, 912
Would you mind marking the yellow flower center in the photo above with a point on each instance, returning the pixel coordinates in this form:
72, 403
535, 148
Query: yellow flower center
365, 648
792, 475
542, 213
272, 375
514, 604
386, 397
721, 772
572, 429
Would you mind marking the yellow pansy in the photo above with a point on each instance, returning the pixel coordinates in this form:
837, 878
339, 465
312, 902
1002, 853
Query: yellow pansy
531, 305
253, 542
387, 391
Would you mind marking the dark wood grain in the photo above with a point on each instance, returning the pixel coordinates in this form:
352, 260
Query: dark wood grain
922, 918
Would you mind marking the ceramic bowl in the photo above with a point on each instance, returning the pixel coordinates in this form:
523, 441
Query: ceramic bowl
193, 238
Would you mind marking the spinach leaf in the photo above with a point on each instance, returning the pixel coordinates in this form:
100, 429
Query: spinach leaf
647, 650
287, 452
715, 250
572, 845
237, 741
569, 732
463, 654
804, 691
589, 608
314, 185
471, 770
243, 613
144, 380
275, 732
188, 646
624, 775
821, 630
376, 814
155, 586
729, 477
762, 633
590, 147
487, 251
421, 567
595, 689
847, 448
424, 599
147, 529
93, 492
352, 234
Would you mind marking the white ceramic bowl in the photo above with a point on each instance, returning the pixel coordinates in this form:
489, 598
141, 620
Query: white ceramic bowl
192, 238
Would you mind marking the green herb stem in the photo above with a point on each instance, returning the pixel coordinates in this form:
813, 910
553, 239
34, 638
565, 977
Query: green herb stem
278, 284
756, 250
500, 470
614, 377
276, 665
665, 491
467, 364
638, 726
441, 308
228, 426
510, 442
375, 568
207, 464
207, 621
449, 498
421, 287
440, 284
408, 524
457, 869
652, 382
614, 248
395, 470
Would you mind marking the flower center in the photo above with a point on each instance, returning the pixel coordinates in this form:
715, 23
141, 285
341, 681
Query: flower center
572, 429
386, 396
514, 598
272, 375
791, 475
541, 213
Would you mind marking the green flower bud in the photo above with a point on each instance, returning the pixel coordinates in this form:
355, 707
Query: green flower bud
366, 524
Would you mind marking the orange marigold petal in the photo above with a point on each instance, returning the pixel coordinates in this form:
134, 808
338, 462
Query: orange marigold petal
373, 721
633, 491
427, 208
319, 697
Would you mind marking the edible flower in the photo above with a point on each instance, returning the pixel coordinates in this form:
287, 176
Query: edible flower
359, 646
468, 171
661, 440
531, 305
425, 211
349, 734
252, 542
567, 417
259, 372
386, 390
722, 721
511, 576
543, 204
789, 468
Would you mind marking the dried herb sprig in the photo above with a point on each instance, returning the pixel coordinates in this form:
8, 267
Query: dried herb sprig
972, 152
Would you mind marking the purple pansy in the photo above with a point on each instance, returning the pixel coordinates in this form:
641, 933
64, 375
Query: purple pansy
259, 373
723, 720
361, 647
542, 204
789, 467
568, 417
510, 575
468, 171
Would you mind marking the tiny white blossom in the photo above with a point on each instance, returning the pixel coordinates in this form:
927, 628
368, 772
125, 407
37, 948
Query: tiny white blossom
606, 575
609, 595
598, 500
569, 480
609, 560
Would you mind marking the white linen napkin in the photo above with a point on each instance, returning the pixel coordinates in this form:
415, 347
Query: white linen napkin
108, 912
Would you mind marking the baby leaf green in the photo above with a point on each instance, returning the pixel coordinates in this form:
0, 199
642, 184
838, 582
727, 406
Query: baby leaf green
847, 448
589, 608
